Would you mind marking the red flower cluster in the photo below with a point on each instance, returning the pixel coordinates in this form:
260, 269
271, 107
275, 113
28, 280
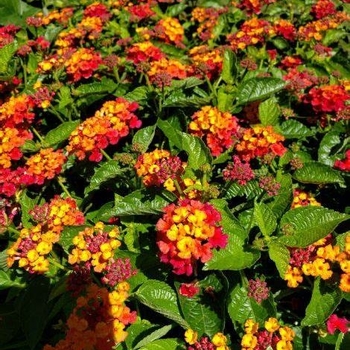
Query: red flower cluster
144, 52
327, 98
335, 323
109, 124
238, 171
286, 29
82, 64
343, 164
253, 6
323, 8
187, 233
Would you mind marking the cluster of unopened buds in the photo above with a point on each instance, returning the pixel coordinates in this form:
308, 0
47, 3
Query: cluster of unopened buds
273, 336
110, 123
34, 244
187, 233
321, 259
217, 342
98, 320
219, 129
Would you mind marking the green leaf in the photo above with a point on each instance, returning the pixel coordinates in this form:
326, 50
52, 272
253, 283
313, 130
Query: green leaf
241, 307
317, 173
34, 310
306, 225
178, 98
201, 314
164, 344
330, 140
292, 129
107, 171
137, 330
161, 298
258, 89
6, 54
139, 202
235, 256
160, 332
27, 204
30, 146
322, 304
280, 255
186, 83
175, 10
67, 235
139, 94
229, 67
7, 282
15, 12
105, 86
198, 152
9, 323
264, 218
250, 190
54, 137
143, 138
283, 199
269, 112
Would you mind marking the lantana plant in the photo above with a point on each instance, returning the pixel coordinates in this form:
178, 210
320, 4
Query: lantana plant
174, 174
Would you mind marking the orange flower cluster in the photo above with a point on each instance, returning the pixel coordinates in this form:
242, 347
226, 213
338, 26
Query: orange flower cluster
286, 29
168, 66
218, 341
60, 16
218, 128
16, 115
187, 233
94, 247
252, 6
253, 31
273, 336
45, 165
207, 60
208, 19
98, 321
82, 64
317, 29
109, 124
170, 30
302, 198
259, 141
318, 260
34, 244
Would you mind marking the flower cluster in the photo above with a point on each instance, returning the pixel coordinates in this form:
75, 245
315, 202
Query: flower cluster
45, 165
218, 341
258, 290
34, 244
327, 98
302, 198
273, 336
109, 124
323, 8
93, 247
335, 323
319, 259
238, 171
170, 30
187, 233
158, 166
252, 32
343, 164
82, 64
259, 141
219, 129
98, 320
253, 6
144, 52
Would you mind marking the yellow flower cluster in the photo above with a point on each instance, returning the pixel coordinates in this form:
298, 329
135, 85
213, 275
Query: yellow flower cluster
281, 335
172, 30
302, 198
94, 247
219, 340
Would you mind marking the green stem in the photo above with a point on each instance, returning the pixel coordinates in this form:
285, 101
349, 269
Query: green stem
13, 230
64, 188
105, 154
339, 341
51, 110
57, 264
35, 132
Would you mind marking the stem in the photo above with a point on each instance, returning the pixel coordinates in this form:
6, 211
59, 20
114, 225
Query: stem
57, 264
51, 110
13, 230
178, 188
35, 132
105, 154
64, 188
339, 341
